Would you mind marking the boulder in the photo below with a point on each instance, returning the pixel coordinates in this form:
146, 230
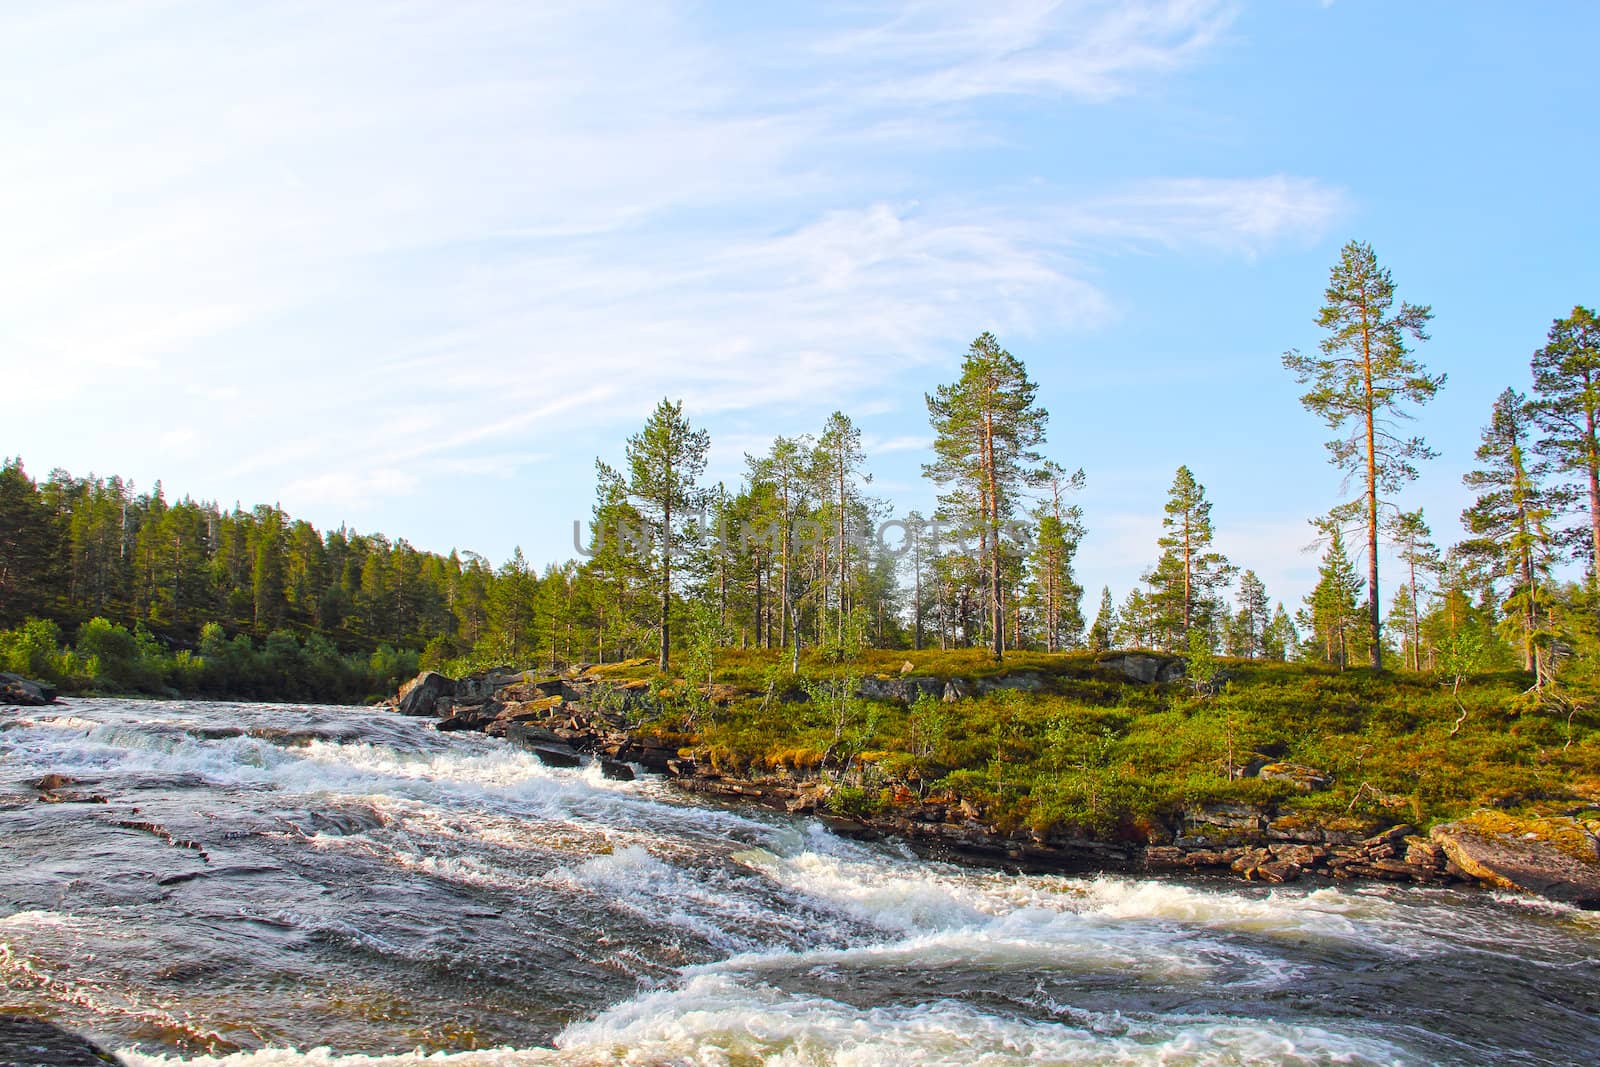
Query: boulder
1521, 864
15, 689
420, 696
898, 690
616, 771
550, 750
1025, 681
1146, 668
481, 686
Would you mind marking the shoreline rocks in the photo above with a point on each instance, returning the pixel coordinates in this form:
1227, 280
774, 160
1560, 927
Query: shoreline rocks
1521, 864
24, 692
564, 719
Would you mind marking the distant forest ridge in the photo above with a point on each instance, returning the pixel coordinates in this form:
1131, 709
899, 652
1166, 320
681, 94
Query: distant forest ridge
993, 566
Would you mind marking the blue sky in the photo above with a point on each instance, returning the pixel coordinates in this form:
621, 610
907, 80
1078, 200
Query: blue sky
413, 267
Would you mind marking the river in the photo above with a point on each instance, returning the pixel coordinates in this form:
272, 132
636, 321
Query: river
276, 885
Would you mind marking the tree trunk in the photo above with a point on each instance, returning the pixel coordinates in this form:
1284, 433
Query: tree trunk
1416, 621
759, 606
841, 545
1593, 463
665, 660
1374, 619
996, 599
916, 606
783, 593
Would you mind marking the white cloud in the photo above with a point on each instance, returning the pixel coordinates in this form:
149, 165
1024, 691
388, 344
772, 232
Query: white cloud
391, 239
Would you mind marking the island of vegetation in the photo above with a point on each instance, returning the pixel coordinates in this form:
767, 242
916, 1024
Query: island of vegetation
787, 639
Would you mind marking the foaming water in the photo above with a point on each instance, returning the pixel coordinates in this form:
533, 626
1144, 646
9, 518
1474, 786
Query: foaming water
227, 884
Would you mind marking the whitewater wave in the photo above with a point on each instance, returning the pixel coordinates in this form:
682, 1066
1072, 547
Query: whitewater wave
717, 1021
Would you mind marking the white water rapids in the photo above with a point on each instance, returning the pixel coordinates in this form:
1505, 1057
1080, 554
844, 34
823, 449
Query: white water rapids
253, 885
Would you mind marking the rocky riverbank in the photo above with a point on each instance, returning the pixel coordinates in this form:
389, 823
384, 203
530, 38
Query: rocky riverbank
24, 692
564, 719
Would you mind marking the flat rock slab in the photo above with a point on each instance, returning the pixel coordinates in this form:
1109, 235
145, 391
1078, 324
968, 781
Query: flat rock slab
1520, 864
30, 1042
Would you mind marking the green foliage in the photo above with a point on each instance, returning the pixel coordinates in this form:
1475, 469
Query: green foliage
1092, 754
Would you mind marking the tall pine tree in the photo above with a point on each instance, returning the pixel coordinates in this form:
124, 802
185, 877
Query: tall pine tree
1364, 375
1566, 406
665, 462
1510, 520
988, 427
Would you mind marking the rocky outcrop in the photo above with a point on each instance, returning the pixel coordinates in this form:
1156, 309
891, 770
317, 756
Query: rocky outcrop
1523, 864
421, 695
1258, 851
904, 690
1146, 668
15, 689
568, 719
1305, 779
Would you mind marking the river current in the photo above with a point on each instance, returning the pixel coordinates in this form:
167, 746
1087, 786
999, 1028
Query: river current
251, 885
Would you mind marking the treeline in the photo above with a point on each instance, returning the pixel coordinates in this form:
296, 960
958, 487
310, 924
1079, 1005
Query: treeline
799, 554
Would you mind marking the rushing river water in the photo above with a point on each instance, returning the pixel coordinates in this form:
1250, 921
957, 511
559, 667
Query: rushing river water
269, 885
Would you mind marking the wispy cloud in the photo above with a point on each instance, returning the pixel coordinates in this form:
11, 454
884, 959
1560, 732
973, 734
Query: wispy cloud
387, 237
950, 51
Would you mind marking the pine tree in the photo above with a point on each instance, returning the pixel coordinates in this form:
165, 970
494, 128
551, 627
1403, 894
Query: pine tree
1252, 619
1103, 633
1405, 619
1136, 621
1358, 384
784, 466
267, 574
1511, 517
513, 613
30, 547
665, 462
1187, 576
1566, 406
1411, 537
1279, 641
987, 431
1334, 617
1059, 532
836, 466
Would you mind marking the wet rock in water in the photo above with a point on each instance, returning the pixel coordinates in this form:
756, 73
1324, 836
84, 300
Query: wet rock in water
420, 696
551, 756
51, 782
616, 771
1521, 865
30, 1042
24, 692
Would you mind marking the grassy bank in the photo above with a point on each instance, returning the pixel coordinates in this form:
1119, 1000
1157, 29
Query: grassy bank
1092, 751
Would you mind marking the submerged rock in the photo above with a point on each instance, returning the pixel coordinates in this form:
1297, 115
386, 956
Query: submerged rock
616, 771
30, 1042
